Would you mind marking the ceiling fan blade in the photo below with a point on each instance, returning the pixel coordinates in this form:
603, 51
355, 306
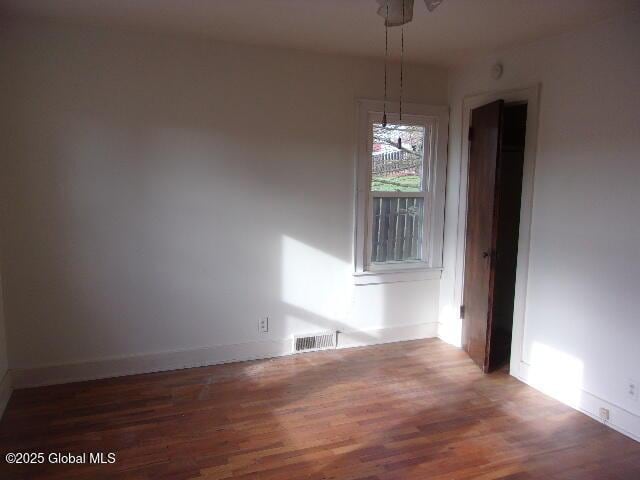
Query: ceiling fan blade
432, 4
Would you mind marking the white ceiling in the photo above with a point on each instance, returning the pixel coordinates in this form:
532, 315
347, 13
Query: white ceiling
455, 32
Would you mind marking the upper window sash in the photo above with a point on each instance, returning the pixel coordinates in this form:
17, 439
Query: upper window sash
407, 121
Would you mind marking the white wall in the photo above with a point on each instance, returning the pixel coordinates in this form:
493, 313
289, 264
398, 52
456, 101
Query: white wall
165, 193
582, 323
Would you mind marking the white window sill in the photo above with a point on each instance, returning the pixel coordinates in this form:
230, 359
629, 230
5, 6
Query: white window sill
396, 276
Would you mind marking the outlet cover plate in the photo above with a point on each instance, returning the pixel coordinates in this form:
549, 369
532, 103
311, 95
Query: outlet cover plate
263, 324
604, 414
632, 389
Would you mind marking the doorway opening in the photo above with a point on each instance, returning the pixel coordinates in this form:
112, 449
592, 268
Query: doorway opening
497, 136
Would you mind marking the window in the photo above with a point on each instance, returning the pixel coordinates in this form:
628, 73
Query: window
397, 193
400, 200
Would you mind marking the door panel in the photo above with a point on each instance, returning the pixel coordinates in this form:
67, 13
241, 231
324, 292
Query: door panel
480, 247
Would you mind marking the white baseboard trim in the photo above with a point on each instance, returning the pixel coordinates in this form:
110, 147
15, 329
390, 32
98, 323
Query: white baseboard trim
158, 362
6, 389
148, 363
620, 419
387, 335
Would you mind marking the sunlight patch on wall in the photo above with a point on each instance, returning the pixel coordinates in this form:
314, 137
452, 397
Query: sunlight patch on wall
556, 373
317, 284
450, 328
308, 324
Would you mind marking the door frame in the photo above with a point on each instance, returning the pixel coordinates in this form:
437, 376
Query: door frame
530, 95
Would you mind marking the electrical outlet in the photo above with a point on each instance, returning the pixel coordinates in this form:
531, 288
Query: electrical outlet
604, 414
632, 389
263, 325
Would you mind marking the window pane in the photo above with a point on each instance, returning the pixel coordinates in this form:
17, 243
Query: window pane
397, 229
396, 166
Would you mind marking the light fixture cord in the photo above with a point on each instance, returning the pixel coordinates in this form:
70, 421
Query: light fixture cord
386, 53
401, 57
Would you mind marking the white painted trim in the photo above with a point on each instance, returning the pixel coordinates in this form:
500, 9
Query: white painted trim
148, 363
157, 362
377, 278
387, 335
531, 96
620, 419
6, 389
438, 118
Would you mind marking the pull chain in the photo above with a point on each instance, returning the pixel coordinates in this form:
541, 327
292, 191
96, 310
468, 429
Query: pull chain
401, 58
401, 68
386, 53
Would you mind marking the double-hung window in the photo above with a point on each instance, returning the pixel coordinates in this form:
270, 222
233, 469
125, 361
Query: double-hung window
400, 200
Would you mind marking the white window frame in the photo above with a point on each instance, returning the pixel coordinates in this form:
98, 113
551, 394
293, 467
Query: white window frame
435, 119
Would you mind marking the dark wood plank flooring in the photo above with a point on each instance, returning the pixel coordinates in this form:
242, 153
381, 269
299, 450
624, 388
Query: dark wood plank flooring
411, 410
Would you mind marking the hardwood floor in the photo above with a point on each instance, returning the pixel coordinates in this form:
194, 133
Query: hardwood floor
411, 410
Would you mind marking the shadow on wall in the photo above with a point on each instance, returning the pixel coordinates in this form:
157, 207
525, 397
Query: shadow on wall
317, 290
318, 294
153, 196
147, 241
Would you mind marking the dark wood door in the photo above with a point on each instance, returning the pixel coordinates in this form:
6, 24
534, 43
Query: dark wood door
479, 267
